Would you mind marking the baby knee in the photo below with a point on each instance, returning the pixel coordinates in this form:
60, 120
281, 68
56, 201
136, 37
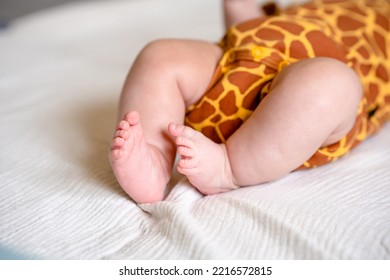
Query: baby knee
339, 81
341, 73
328, 82
158, 52
338, 91
341, 91
158, 45
166, 58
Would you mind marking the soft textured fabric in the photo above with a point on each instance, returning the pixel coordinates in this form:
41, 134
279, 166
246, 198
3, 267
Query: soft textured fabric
61, 72
356, 32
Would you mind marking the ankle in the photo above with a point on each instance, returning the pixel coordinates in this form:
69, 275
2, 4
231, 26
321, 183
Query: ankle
166, 163
231, 179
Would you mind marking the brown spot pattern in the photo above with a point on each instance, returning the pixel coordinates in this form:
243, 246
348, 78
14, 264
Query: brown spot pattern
228, 104
257, 50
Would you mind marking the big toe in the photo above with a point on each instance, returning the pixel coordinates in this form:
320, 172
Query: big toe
177, 130
132, 117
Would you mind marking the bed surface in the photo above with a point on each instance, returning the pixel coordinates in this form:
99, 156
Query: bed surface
61, 72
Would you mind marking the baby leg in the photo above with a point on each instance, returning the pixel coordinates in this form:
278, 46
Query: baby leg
167, 76
312, 103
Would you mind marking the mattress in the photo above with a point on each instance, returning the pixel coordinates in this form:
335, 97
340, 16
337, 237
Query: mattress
61, 72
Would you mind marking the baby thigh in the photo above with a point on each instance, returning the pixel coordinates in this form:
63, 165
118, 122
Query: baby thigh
312, 103
167, 76
169, 70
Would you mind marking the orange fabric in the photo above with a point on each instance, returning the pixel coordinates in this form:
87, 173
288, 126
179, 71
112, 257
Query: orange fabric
356, 32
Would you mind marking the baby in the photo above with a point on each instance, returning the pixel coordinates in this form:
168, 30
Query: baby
278, 93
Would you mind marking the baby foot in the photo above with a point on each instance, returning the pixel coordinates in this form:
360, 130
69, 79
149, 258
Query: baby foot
203, 162
140, 168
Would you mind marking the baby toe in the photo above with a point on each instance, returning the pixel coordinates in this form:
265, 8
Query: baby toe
116, 154
184, 151
179, 130
184, 142
132, 117
187, 132
122, 134
117, 142
123, 125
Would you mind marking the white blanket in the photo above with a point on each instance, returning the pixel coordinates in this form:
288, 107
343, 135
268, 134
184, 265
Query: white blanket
61, 72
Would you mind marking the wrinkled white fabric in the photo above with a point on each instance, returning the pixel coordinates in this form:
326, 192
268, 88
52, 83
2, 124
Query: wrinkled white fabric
61, 72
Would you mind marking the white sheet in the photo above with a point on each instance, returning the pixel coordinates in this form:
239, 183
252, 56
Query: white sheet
61, 72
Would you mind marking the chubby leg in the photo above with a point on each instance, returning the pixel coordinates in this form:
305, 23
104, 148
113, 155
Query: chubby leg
236, 11
167, 76
312, 103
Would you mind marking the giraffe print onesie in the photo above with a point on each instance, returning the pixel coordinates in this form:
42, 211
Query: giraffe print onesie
355, 32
